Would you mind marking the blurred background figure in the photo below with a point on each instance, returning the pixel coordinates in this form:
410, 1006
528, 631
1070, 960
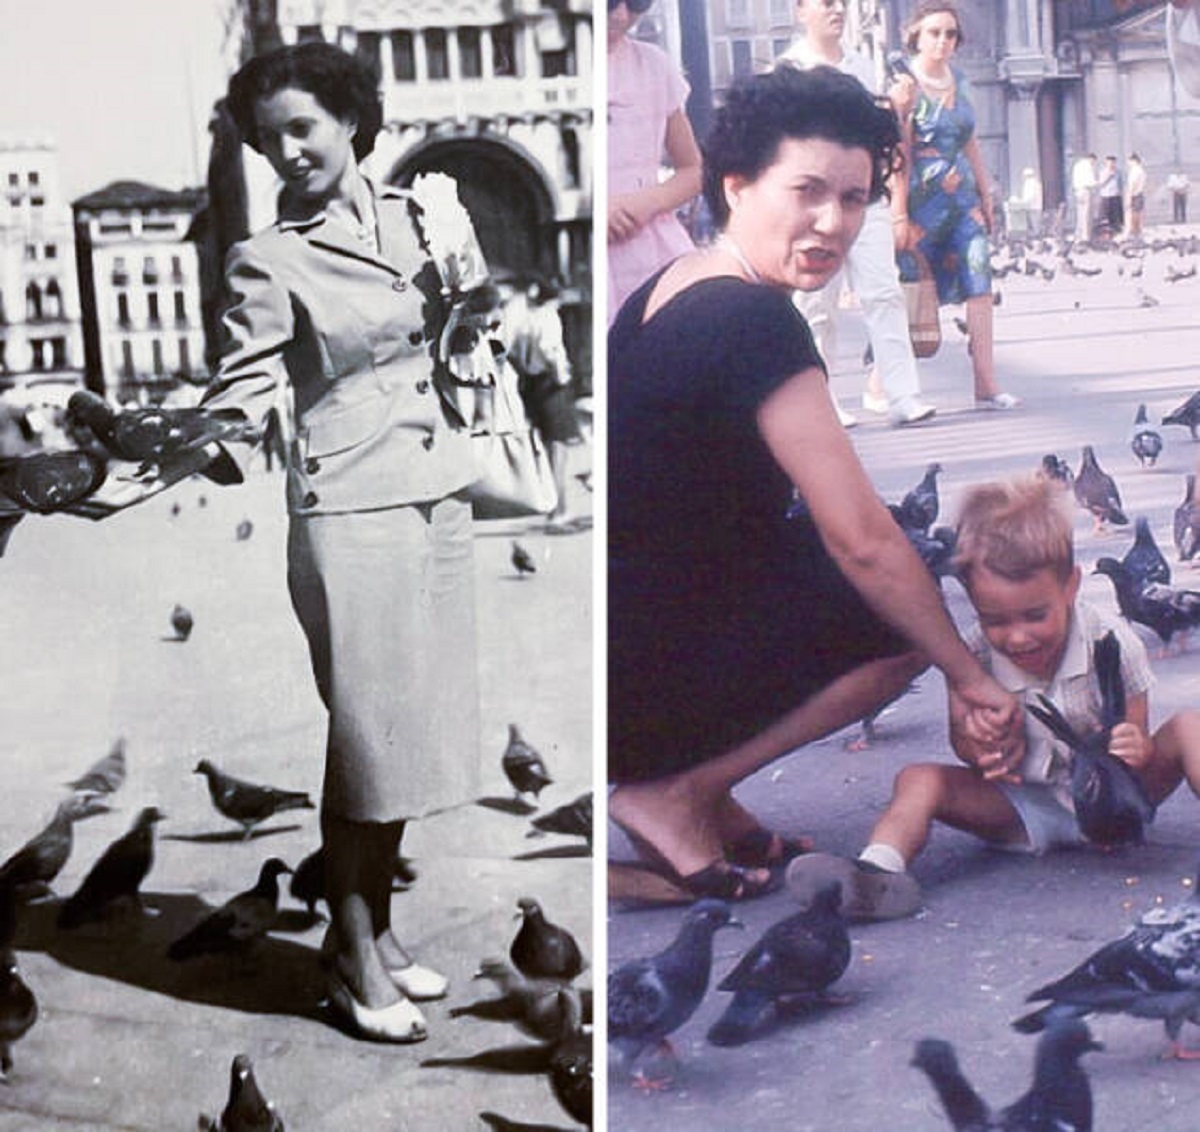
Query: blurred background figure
1032, 200
1083, 186
1135, 189
646, 121
1177, 186
1112, 213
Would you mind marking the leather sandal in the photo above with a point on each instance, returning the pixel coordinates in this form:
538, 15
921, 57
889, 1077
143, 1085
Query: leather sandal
762, 849
402, 1022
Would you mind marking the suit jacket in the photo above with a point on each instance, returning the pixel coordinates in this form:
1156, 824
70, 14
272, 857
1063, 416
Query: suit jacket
345, 341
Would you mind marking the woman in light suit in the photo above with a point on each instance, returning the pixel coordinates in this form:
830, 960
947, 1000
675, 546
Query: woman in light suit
340, 311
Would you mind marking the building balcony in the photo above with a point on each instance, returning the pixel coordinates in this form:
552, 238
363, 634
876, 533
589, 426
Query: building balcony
485, 98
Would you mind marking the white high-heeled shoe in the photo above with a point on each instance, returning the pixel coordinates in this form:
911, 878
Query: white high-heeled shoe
402, 1022
419, 983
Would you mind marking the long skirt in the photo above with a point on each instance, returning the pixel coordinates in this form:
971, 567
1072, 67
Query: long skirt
387, 602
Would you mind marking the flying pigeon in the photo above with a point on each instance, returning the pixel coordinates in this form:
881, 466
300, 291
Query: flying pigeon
798, 956
523, 766
1146, 444
117, 874
247, 1109
649, 999
18, 1005
1187, 414
239, 922
543, 950
181, 622
1143, 560
1187, 522
1096, 492
247, 803
32, 868
1058, 1100
1164, 609
1111, 805
105, 775
1152, 971
522, 560
573, 818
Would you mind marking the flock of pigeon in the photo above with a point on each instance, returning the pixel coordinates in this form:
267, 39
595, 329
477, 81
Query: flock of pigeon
535, 987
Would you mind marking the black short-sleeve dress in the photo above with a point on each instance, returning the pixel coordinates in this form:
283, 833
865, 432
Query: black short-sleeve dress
724, 609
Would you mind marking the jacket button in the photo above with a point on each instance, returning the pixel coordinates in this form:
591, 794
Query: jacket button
309, 500
312, 465
422, 386
415, 337
427, 443
399, 285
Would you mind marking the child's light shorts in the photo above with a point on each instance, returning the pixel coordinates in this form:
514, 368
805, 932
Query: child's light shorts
1048, 823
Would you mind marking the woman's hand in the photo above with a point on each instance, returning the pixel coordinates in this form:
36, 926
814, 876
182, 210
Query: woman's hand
1130, 744
627, 215
902, 94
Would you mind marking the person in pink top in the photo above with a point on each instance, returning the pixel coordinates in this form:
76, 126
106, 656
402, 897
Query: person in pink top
646, 123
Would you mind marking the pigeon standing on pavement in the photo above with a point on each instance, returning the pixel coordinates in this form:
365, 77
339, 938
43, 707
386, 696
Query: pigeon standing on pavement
542, 949
523, 765
798, 956
573, 819
1164, 609
522, 560
1143, 560
1097, 492
1147, 445
1186, 525
649, 999
1187, 414
308, 881
239, 922
18, 1005
182, 622
243, 530
1058, 1100
117, 874
571, 1063
1055, 468
32, 869
104, 776
533, 1006
246, 803
247, 1109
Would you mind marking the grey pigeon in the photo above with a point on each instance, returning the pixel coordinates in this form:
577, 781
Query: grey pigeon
1147, 445
243, 530
574, 819
542, 949
104, 776
33, 868
182, 622
1166, 610
1111, 805
1186, 522
44, 482
1143, 560
523, 765
533, 1006
1187, 414
247, 1109
798, 956
1058, 1100
117, 874
522, 560
1097, 493
1152, 971
1054, 467
649, 999
247, 803
239, 922
18, 1004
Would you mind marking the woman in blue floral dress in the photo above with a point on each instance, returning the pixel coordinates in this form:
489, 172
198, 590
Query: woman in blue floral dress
945, 211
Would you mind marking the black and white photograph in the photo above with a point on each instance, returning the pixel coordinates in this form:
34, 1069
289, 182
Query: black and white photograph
296, 564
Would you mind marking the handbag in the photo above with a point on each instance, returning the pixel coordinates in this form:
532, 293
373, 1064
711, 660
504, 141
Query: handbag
513, 474
920, 297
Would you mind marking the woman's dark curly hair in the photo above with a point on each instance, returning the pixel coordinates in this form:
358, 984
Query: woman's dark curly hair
761, 110
342, 86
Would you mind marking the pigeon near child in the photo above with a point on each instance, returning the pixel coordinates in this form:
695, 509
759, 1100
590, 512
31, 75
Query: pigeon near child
1096, 492
1187, 414
1146, 443
1143, 560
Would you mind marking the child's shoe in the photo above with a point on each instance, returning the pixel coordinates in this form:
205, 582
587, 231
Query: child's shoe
868, 892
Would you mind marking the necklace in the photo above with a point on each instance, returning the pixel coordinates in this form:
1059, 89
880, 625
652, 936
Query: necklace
928, 80
726, 242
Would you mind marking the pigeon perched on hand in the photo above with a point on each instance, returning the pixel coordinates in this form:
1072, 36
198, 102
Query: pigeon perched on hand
1186, 524
32, 869
1144, 561
45, 482
1058, 1100
1164, 609
18, 1005
1147, 445
544, 950
1152, 971
1111, 804
1187, 414
239, 922
181, 622
523, 765
117, 874
798, 956
247, 1109
522, 560
247, 803
574, 819
104, 776
1096, 492
649, 999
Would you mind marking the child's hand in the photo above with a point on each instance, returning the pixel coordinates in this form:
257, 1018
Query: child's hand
1130, 744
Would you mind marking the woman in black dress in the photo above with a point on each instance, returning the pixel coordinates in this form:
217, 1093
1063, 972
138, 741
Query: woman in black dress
760, 594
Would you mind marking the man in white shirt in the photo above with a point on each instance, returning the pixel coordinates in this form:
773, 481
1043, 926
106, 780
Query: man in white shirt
1083, 184
871, 265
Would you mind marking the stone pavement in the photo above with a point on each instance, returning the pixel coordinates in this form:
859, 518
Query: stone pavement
1083, 352
129, 1040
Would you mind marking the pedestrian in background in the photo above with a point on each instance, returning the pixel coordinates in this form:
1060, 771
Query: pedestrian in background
1083, 186
646, 121
870, 268
949, 203
1135, 188
1112, 214
1177, 186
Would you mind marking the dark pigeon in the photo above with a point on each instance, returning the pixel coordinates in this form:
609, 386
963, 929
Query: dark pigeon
117, 874
243, 530
308, 881
1144, 561
1055, 468
1186, 526
246, 803
247, 1109
649, 999
797, 957
522, 560
18, 1004
574, 819
104, 776
45, 482
1152, 971
1058, 1100
523, 766
571, 1061
182, 622
239, 922
919, 508
1164, 609
33, 868
1097, 493
1147, 445
543, 950
1187, 414
1111, 805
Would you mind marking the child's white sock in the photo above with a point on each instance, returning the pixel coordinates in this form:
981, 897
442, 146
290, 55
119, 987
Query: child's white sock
883, 857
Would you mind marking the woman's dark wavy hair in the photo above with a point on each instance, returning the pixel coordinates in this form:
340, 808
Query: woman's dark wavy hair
761, 110
342, 85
